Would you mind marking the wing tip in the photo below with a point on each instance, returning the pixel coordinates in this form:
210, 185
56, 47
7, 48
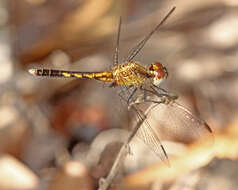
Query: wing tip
208, 127
166, 160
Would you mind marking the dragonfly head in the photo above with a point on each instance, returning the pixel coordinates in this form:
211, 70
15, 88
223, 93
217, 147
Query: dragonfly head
158, 72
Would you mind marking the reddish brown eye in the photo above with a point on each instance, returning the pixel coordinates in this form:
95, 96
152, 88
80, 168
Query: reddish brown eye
155, 66
158, 64
159, 69
160, 73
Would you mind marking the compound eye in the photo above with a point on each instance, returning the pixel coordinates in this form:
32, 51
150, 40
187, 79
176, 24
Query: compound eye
160, 73
155, 66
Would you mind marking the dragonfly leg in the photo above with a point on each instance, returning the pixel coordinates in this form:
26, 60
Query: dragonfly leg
159, 88
131, 95
157, 92
145, 99
113, 84
122, 93
165, 98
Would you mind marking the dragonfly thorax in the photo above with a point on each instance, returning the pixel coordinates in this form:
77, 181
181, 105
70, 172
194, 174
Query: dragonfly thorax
158, 72
133, 73
130, 73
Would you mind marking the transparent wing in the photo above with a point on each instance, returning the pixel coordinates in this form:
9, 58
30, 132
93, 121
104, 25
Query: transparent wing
149, 136
115, 56
173, 121
142, 43
144, 131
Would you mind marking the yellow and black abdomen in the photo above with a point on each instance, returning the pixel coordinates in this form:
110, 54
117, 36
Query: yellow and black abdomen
102, 76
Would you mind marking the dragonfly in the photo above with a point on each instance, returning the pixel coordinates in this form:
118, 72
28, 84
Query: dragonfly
132, 77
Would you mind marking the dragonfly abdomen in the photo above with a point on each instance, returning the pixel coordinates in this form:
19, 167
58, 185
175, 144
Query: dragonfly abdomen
102, 76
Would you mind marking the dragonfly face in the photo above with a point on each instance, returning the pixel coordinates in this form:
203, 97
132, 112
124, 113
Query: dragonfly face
159, 72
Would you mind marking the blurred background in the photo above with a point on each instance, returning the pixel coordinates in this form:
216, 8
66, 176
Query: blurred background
65, 134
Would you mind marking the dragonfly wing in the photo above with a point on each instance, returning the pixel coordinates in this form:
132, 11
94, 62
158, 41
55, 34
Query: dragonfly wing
149, 136
142, 43
173, 121
115, 56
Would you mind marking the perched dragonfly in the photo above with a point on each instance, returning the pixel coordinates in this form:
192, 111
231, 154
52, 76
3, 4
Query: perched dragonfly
131, 76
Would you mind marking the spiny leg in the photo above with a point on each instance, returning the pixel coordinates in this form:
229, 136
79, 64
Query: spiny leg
158, 94
131, 95
159, 88
166, 93
165, 98
122, 94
